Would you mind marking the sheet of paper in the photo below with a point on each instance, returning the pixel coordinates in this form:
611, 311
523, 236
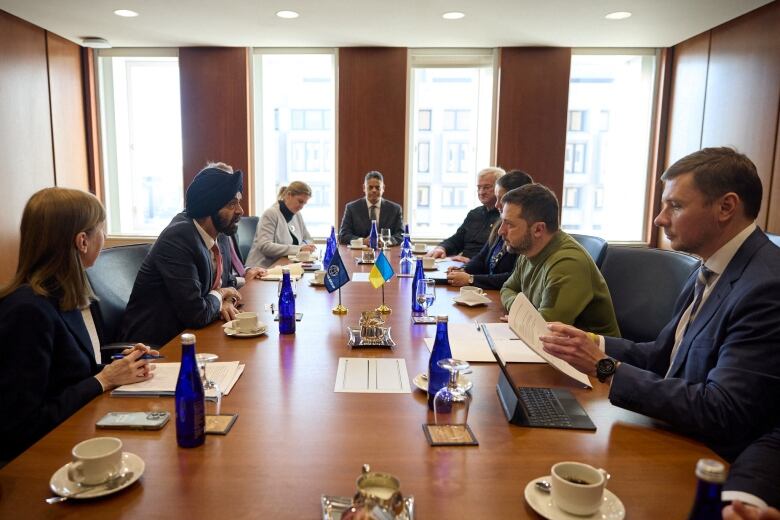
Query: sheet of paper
275, 273
360, 277
528, 324
372, 376
469, 344
224, 373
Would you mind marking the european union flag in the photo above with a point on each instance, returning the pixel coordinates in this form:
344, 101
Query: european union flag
381, 272
336, 274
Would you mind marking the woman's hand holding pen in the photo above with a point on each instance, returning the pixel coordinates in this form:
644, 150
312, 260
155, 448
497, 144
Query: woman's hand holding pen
132, 368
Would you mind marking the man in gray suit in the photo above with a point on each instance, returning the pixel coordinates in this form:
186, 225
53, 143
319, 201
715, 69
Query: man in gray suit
359, 213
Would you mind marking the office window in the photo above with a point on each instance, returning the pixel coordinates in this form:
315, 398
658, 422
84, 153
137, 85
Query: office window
294, 121
610, 154
141, 140
571, 197
450, 135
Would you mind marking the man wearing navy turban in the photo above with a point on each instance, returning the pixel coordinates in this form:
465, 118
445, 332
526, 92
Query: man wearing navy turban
186, 280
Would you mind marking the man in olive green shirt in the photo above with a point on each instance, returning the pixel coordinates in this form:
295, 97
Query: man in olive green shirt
554, 272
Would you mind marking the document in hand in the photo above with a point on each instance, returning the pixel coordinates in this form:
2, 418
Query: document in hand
528, 324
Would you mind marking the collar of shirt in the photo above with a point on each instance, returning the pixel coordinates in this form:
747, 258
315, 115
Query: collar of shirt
378, 204
718, 262
205, 236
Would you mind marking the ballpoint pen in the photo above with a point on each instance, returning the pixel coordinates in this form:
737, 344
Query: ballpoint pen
145, 356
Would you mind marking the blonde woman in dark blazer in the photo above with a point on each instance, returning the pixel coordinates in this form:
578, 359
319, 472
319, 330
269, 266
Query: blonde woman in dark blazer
281, 230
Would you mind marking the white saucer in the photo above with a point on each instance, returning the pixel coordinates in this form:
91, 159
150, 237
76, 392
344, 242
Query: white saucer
316, 284
230, 331
356, 247
422, 383
483, 300
541, 502
63, 486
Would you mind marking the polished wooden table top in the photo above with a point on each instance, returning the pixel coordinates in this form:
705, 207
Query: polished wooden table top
296, 439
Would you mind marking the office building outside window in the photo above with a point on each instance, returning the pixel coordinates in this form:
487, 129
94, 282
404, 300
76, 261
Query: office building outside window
140, 116
606, 163
450, 136
294, 129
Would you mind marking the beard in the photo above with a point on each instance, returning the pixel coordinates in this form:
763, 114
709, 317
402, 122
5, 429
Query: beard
523, 246
227, 226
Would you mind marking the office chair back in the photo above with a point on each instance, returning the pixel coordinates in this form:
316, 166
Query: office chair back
775, 239
645, 284
595, 246
112, 278
246, 235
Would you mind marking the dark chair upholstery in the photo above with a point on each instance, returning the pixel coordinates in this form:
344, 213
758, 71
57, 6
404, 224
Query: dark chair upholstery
112, 278
246, 235
774, 238
645, 284
595, 246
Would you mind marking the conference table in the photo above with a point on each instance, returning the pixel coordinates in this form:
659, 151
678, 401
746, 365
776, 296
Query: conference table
296, 439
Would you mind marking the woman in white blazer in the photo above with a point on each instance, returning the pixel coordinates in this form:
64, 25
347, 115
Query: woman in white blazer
281, 230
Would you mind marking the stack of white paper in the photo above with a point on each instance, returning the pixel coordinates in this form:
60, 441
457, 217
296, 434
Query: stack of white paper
468, 343
224, 374
275, 273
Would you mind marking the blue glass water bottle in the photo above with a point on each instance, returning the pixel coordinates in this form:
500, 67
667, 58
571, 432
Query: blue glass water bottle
438, 376
418, 275
190, 399
373, 237
406, 263
708, 505
330, 248
286, 305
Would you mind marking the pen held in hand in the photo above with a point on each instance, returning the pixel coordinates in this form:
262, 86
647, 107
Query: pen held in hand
145, 356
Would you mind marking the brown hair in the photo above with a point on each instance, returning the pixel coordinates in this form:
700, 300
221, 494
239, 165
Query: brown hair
717, 171
537, 202
294, 188
48, 259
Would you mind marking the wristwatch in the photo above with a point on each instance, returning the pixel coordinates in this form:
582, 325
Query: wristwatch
605, 368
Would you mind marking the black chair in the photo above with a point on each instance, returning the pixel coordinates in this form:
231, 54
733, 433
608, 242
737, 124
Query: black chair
775, 239
246, 235
595, 246
112, 278
645, 284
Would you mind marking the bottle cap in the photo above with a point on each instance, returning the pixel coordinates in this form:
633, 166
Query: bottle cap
188, 339
711, 470
442, 318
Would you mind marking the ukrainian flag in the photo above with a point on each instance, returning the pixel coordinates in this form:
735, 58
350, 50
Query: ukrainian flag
381, 272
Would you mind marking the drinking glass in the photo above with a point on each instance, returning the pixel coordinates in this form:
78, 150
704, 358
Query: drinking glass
451, 403
387, 238
426, 294
211, 389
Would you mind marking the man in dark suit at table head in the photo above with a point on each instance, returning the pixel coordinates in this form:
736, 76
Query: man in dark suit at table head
714, 370
186, 280
359, 213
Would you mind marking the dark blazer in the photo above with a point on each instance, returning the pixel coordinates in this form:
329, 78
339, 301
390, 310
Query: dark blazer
473, 233
479, 266
724, 386
171, 291
46, 372
757, 470
356, 224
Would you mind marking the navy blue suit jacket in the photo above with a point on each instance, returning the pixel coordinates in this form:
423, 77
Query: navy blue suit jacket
479, 266
724, 386
171, 291
357, 224
757, 470
47, 368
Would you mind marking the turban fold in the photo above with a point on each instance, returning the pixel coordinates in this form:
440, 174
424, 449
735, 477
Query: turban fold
212, 189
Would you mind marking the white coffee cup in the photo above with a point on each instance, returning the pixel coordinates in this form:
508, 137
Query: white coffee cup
319, 276
356, 242
429, 262
577, 488
246, 321
95, 460
470, 291
419, 247
304, 256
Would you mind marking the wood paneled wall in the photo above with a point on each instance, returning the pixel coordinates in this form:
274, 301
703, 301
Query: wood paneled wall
726, 92
215, 111
533, 101
371, 121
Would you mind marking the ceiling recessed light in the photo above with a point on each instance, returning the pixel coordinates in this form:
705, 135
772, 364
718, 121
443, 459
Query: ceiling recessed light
127, 13
95, 43
618, 15
453, 15
287, 14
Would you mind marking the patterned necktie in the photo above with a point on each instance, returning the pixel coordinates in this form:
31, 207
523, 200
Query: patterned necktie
372, 213
702, 278
217, 267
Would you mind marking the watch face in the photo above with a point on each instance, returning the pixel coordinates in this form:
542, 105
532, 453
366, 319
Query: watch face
605, 368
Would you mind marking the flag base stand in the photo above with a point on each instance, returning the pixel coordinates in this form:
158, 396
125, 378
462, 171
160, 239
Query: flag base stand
384, 309
339, 309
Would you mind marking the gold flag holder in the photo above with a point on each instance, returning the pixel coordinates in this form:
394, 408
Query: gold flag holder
339, 309
384, 309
